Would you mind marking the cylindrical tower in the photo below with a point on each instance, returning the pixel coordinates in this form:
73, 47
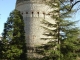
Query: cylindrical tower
33, 12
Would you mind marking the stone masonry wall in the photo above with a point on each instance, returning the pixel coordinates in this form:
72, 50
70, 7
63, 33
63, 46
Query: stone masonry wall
33, 14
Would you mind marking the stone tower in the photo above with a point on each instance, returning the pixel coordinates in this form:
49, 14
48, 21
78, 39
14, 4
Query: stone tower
33, 11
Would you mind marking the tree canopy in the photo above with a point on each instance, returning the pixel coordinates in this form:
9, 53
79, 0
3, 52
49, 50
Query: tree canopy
14, 37
64, 41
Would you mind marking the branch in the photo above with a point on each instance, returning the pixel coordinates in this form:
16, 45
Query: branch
64, 5
74, 4
71, 5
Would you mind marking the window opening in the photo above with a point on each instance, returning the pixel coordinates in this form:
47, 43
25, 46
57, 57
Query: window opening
44, 15
26, 12
32, 14
38, 14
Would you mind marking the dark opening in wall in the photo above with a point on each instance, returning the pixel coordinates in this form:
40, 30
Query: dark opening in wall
38, 14
48, 14
26, 12
32, 14
44, 14
22, 13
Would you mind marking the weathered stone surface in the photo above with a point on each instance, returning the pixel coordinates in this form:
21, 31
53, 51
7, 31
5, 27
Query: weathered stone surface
33, 14
30, 1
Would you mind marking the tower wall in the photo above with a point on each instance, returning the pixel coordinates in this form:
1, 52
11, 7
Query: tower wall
33, 12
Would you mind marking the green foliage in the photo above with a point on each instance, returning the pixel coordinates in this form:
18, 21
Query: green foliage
14, 37
64, 42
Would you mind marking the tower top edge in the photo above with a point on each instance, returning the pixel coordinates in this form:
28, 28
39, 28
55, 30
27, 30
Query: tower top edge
32, 1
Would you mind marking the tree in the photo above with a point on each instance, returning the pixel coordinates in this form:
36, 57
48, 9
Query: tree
72, 4
7, 36
15, 37
64, 32
18, 34
1, 49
